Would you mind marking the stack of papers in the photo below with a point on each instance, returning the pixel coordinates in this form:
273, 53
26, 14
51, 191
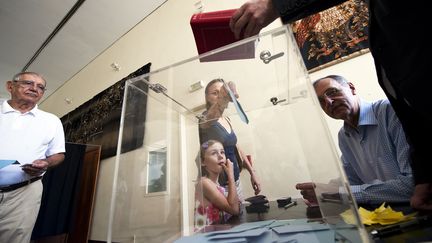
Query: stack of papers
298, 230
382, 215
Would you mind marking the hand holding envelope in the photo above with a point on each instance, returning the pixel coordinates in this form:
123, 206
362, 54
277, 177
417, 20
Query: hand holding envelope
309, 191
38, 167
233, 94
228, 92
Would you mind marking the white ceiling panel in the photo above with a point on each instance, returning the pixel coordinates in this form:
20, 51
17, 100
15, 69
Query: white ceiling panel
97, 24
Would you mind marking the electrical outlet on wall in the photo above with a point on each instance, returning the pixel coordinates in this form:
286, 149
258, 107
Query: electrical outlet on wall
196, 86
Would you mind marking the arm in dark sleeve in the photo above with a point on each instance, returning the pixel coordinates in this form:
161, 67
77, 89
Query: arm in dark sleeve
292, 10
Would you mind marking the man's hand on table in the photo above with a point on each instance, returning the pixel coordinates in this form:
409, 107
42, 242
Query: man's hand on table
309, 189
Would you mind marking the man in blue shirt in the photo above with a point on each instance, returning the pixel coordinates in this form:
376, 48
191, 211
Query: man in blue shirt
375, 154
396, 38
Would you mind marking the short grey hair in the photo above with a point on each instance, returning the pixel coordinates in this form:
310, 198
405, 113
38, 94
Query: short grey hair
336, 78
17, 76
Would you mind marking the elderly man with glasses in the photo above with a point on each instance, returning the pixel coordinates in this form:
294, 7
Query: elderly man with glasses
31, 142
375, 153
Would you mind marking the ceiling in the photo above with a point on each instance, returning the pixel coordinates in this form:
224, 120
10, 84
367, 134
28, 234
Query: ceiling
30, 35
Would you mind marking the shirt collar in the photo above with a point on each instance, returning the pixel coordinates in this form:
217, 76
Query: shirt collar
366, 118
367, 115
6, 108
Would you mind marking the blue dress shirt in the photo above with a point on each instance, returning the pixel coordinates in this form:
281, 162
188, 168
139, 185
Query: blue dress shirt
375, 156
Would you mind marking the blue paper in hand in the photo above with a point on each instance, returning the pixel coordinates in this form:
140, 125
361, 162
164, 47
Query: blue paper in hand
237, 105
4, 163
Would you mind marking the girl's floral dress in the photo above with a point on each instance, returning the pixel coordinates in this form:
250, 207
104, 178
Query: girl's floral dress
210, 214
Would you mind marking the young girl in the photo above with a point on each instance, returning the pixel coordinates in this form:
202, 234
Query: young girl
214, 204
218, 127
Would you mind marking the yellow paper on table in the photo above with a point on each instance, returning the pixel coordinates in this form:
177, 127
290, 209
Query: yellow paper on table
382, 215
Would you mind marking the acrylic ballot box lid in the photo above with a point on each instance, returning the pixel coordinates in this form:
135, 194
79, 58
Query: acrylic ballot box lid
155, 191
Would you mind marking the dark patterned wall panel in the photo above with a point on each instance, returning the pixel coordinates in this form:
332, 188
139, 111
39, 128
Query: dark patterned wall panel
333, 35
97, 121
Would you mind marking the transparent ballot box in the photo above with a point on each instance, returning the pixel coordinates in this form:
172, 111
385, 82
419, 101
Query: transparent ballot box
166, 191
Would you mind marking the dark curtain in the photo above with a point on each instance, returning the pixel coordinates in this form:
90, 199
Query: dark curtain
60, 189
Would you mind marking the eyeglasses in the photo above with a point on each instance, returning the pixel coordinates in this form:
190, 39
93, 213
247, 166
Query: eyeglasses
30, 84
330, 93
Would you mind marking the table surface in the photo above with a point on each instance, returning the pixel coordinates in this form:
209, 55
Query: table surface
416, 234
301, 211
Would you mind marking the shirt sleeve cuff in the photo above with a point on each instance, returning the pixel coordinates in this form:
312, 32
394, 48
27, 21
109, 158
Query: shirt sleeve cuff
356, 192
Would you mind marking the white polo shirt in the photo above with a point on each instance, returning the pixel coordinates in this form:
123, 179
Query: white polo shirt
26, 137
